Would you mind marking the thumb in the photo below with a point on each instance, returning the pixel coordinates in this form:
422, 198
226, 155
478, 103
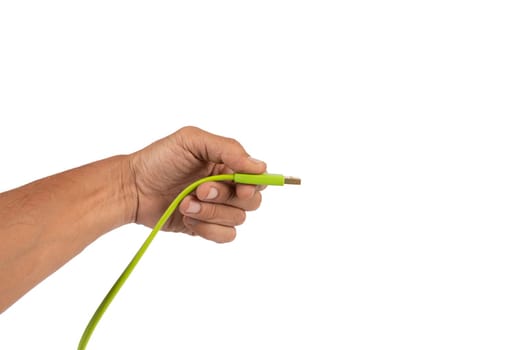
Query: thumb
209, 147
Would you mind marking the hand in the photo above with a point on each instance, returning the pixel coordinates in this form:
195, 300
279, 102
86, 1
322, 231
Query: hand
166, 167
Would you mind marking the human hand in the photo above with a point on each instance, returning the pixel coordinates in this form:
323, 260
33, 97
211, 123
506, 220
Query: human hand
166, 167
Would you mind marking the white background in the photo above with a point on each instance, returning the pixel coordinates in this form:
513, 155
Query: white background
404, 119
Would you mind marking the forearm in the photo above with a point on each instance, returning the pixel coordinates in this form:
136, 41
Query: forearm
46, 223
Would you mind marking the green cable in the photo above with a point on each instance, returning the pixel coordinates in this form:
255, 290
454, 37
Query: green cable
252, 179
129, 269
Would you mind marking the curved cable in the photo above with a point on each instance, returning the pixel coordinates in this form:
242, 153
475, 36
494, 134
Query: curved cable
131, 266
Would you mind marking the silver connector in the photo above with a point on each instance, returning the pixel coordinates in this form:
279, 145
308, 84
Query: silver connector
290, 180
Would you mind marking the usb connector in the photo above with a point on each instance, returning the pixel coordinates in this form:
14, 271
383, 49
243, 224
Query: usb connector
290, 180
265, 179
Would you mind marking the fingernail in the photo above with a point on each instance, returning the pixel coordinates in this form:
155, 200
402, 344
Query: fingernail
213, 193
254, 160
194, 207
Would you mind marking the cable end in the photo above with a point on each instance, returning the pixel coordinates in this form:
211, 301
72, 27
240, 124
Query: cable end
290, 180
265, 179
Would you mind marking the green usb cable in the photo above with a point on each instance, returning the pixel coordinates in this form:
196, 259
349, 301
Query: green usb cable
250, 179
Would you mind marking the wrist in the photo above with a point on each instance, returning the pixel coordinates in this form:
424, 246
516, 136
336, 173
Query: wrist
128, 188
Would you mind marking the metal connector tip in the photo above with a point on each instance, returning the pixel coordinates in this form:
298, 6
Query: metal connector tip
289, 180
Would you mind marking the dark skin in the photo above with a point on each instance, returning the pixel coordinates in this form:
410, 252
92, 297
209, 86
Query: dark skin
47, 222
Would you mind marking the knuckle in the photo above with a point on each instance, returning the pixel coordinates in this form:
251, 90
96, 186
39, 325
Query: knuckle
209, 211
188, 129
233, 142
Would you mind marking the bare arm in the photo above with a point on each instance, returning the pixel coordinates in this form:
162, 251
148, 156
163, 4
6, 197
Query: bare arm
46, 223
